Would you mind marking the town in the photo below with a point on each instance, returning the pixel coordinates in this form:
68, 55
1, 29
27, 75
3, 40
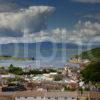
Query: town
45, 83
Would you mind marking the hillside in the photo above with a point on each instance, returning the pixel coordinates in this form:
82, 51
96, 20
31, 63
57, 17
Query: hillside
92, 54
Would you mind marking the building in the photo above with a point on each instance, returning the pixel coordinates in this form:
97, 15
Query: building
47, 96
7, 76
40, 95
79, 60
94, 95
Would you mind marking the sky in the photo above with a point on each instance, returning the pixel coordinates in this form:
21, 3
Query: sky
57, 21
60, 21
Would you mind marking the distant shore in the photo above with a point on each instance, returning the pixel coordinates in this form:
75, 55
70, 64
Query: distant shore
14, 58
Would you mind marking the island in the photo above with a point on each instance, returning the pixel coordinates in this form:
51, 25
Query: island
6, 57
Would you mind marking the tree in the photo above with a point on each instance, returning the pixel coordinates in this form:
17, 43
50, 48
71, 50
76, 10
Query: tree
15, 70
92, 72
35, 72
58, 77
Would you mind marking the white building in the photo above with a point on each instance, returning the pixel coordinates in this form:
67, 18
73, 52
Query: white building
7, 76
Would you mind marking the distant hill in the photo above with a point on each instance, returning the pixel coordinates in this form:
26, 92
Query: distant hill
20, 49
93, 54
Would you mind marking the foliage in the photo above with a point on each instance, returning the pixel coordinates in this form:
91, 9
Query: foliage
92, 72
15, 70
49, 70
19, 71
35, 72
58, 77
14, 79
91, 54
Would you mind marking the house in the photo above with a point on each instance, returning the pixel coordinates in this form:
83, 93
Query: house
79, 60
7, 76
94, 95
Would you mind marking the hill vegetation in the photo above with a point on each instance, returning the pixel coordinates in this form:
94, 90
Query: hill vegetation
91, 73
93, 54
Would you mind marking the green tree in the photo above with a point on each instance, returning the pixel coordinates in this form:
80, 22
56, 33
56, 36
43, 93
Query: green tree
35, 72
92, 72
15, 70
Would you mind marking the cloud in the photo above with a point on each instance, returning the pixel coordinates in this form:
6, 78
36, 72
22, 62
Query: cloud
92, 16
87, 1
9, 5
14, 5
83, 33
24, 21
87, 31
89, 15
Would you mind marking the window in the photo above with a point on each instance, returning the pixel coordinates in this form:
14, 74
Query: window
65, 98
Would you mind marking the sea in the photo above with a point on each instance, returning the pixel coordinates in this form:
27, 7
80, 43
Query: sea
45, 54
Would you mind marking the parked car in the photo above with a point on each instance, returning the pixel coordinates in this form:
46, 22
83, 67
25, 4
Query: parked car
14, 87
